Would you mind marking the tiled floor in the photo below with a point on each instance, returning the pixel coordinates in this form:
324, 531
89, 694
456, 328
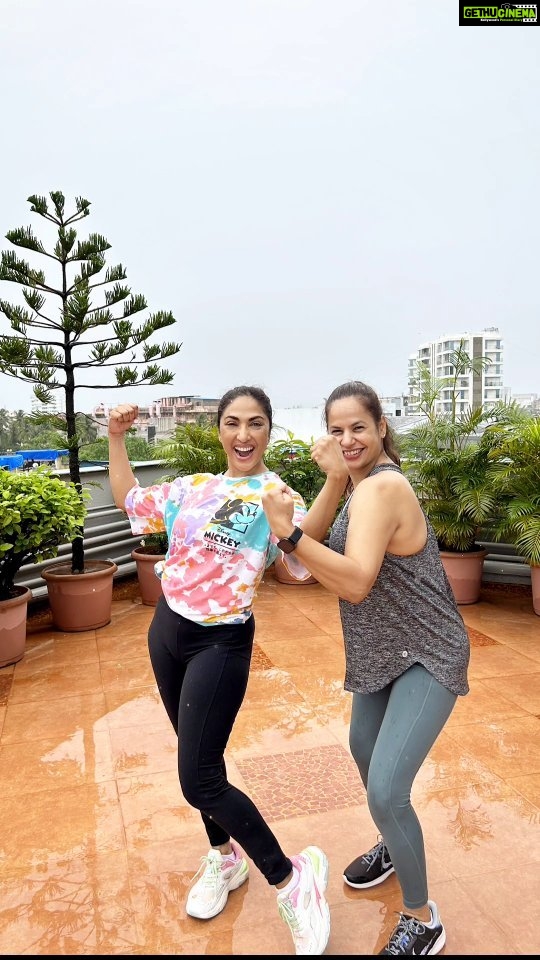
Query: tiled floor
98, 848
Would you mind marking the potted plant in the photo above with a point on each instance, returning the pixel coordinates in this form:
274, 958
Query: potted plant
62, 340
38, 512
517, 486
151, 550
448, 461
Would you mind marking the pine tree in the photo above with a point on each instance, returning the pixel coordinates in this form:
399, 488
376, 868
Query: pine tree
59, 336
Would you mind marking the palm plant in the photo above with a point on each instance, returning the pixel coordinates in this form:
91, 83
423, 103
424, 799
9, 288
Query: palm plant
194, 448
517, 486
449, 458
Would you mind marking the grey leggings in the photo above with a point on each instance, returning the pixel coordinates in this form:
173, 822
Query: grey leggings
391, 733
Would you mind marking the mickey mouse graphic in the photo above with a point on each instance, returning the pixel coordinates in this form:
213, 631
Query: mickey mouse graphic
236, 515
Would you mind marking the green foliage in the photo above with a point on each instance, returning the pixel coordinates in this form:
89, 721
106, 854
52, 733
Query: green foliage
38, 512
194, 448
137, 449
517, 486
449, 459
61, 335
291, 460
155, 543
21, 431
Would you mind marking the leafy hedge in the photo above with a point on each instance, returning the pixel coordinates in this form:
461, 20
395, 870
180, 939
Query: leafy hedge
38, 513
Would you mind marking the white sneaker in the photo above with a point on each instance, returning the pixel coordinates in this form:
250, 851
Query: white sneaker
304, 908
217, 875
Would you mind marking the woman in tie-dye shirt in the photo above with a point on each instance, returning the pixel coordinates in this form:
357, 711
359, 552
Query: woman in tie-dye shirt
201, 639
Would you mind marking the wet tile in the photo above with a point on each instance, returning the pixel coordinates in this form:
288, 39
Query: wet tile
120, 674
86, 821
51, 908
132, 643
527, 645
513, 886
81, 758
42, 720
443, 768
484, 705
277, 729
498, 661
49, 653
53, 683
135, 707
274, 685
477, 827
154, 810
143, 749
509, 748
528, 786
313, 648
106, 850
522, 689
6, 682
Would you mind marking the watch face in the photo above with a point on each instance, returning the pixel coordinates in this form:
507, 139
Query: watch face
288, 544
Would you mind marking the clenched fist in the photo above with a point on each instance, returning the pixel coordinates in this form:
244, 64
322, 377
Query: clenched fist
122, 418
278, 506
328, 455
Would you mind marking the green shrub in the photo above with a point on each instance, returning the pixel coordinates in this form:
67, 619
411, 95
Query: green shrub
38, 513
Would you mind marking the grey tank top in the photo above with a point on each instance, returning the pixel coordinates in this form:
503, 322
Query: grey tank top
410, 616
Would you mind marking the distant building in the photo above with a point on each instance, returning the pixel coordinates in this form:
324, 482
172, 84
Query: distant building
530, 402
474, 389
158, 420
57, 405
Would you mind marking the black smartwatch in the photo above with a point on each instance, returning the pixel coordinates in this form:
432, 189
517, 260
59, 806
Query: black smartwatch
288, 544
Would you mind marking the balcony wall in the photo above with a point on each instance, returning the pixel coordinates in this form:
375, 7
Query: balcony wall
107, 535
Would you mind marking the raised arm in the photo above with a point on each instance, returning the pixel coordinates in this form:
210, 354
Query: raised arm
121, 476
374, 516
326, 452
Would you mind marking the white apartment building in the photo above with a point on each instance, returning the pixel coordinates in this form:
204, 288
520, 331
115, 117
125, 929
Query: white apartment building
474, 389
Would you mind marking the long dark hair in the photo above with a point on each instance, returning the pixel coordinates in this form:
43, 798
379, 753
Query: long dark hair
367, 396
256, 393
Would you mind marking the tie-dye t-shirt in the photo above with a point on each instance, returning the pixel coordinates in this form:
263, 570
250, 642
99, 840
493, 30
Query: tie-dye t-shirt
219, 541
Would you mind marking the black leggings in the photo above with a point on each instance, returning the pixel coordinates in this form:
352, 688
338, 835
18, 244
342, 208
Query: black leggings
202, 674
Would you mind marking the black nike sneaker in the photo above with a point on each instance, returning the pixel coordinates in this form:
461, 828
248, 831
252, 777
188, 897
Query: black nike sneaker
412, 938
370, 869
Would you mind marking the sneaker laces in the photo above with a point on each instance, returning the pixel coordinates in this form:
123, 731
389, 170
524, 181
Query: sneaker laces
372, 854
208, 872
401, 935
289, 915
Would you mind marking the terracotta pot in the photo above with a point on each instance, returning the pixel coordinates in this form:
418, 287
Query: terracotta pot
464, 571
149, 584
535, 584
80, 601
13, 614
282, 575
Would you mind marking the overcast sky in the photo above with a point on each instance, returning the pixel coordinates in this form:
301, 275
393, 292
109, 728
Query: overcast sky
312, 188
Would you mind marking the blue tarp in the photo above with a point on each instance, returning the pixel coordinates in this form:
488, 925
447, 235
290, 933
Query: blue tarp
13, 462
43, 455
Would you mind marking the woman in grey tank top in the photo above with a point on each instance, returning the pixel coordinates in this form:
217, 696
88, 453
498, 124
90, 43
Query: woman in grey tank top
406, 646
